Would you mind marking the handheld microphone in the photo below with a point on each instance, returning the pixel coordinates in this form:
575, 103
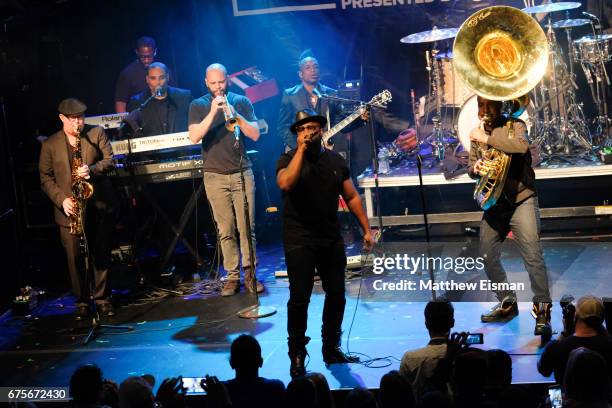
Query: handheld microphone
158, 91
591, 16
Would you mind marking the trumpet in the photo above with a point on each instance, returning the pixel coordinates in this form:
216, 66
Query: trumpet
229, 114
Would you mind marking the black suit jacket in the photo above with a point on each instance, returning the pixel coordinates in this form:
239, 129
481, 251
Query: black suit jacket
56, 175
296, 99
145, 121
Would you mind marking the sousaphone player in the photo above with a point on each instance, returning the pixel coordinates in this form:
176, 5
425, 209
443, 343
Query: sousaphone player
501, 53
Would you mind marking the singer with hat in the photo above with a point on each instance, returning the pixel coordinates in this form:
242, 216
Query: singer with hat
161, 109
218, 120
311, 179
56, 164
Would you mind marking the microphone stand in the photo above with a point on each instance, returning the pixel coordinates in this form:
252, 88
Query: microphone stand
95, 321
85, 257
255, 311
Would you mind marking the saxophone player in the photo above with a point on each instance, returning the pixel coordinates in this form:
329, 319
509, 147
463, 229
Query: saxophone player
58, 166
516, 211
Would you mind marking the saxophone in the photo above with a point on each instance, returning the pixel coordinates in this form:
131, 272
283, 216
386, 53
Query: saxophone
494, 170
81, 189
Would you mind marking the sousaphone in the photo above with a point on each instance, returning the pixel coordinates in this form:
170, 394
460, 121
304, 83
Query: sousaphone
501, 53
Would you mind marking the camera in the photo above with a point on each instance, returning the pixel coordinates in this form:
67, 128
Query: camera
568, 310
194, 385
555, 396
474, 338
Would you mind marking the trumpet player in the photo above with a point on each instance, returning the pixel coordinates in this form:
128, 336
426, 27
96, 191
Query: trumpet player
212, 122
311, 179
56, 168
516, 211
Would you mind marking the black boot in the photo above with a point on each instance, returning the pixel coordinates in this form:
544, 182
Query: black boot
541, 312
297, 355
332, 353
504, 311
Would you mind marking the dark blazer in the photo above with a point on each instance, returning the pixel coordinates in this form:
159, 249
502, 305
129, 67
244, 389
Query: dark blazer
56, 175
147, 120
296, 99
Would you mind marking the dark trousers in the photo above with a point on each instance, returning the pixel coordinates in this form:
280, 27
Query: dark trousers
523, 220
99, 231
330, 263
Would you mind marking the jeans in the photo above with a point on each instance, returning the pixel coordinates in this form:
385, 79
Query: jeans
224, 191
523, 220
330, 262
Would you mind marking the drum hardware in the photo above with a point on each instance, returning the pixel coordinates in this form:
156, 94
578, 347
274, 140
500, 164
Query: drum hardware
560, 124
442, 92
593, 51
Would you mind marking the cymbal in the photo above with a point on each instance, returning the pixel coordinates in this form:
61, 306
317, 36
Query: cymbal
591, 38
571, 22
431, 35
551, 7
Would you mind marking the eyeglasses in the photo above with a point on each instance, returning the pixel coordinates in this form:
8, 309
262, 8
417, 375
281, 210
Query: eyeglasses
75, 117
307, 127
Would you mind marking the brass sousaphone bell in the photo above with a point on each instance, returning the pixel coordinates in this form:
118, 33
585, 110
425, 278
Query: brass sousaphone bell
501, 53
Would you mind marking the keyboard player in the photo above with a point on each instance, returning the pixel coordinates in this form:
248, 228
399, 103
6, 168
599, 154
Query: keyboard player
159, 110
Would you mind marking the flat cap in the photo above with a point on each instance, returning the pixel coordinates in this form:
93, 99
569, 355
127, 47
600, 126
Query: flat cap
71, 106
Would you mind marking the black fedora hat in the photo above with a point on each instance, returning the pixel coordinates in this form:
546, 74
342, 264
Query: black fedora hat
305, 116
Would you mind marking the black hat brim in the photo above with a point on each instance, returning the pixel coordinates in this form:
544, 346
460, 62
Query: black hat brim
319, 119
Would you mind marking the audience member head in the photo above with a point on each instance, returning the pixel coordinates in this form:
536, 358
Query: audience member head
439, 318
86, 385
590, 314
499, 368
245, 356
586, 376
523, 396
434, 399
395, 391
301, 393
135, 392
145, 50
324, 395
360, 398
469, 374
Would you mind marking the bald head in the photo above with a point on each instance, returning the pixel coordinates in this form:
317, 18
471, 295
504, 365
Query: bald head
216, 67
216, 79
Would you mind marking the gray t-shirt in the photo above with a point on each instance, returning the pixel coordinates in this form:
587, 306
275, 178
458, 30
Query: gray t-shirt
219, 153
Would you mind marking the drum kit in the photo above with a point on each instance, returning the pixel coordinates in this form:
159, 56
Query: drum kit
555, 118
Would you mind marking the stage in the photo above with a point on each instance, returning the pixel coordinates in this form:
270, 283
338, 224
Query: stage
569, 188
191, 335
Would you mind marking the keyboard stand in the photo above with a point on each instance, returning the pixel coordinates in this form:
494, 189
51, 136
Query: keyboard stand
178, 230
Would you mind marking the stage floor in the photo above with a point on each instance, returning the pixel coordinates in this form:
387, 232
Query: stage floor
191, 336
